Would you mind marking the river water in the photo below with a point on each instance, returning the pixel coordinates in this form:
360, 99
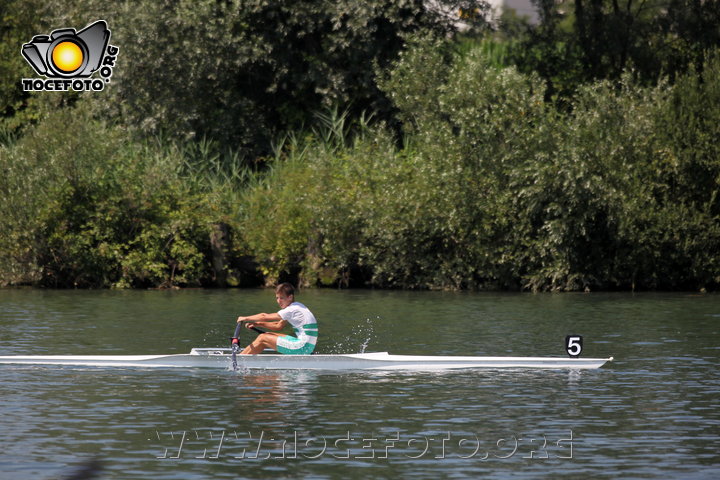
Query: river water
654, 412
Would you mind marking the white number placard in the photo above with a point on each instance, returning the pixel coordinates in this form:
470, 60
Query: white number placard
574, 345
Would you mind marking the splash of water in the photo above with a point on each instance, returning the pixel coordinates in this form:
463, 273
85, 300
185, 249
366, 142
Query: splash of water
362, 335
369, 334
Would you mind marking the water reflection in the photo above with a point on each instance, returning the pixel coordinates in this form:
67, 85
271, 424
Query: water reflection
652, 413
271, 396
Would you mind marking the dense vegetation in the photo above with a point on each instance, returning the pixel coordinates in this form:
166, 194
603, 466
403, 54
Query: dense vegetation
363, 144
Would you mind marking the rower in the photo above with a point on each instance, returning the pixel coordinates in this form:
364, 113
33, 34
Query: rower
292, 313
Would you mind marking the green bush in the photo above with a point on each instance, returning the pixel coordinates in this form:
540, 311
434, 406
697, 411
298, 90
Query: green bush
84, 206
494, 188
488, 186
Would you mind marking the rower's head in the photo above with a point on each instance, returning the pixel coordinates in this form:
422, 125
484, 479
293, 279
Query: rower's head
284, 294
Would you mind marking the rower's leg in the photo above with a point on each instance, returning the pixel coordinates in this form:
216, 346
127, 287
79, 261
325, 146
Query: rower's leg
263, 341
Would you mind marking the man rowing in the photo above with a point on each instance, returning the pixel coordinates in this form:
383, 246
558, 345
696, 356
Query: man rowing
292, 313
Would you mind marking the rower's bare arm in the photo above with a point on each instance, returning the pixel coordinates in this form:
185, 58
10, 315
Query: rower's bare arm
261, 318
275, 326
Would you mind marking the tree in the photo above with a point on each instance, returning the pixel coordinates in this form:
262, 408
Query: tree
19, 21
580, 41
241, 71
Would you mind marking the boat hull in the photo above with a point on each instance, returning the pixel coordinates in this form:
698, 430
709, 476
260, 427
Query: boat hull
221, 358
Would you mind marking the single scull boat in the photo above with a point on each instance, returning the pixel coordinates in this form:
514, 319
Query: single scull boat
223, 358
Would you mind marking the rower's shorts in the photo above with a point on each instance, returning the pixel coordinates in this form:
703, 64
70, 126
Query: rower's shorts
290, 345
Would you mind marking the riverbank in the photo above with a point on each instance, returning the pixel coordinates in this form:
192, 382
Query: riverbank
487, 187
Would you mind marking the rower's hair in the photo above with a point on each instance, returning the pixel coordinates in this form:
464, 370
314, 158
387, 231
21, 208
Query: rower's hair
286, 289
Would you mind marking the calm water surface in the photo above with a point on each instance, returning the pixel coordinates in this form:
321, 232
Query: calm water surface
652, 413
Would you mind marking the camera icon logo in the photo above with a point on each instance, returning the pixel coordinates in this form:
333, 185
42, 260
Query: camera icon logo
67, 53
67, 58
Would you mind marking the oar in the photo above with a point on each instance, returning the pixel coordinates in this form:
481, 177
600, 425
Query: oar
236, 343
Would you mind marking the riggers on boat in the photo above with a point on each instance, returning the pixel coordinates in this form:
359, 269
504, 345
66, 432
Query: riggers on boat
223, 358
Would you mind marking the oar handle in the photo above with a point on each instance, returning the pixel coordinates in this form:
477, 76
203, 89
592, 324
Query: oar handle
239, 326
235, 344
237, 331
